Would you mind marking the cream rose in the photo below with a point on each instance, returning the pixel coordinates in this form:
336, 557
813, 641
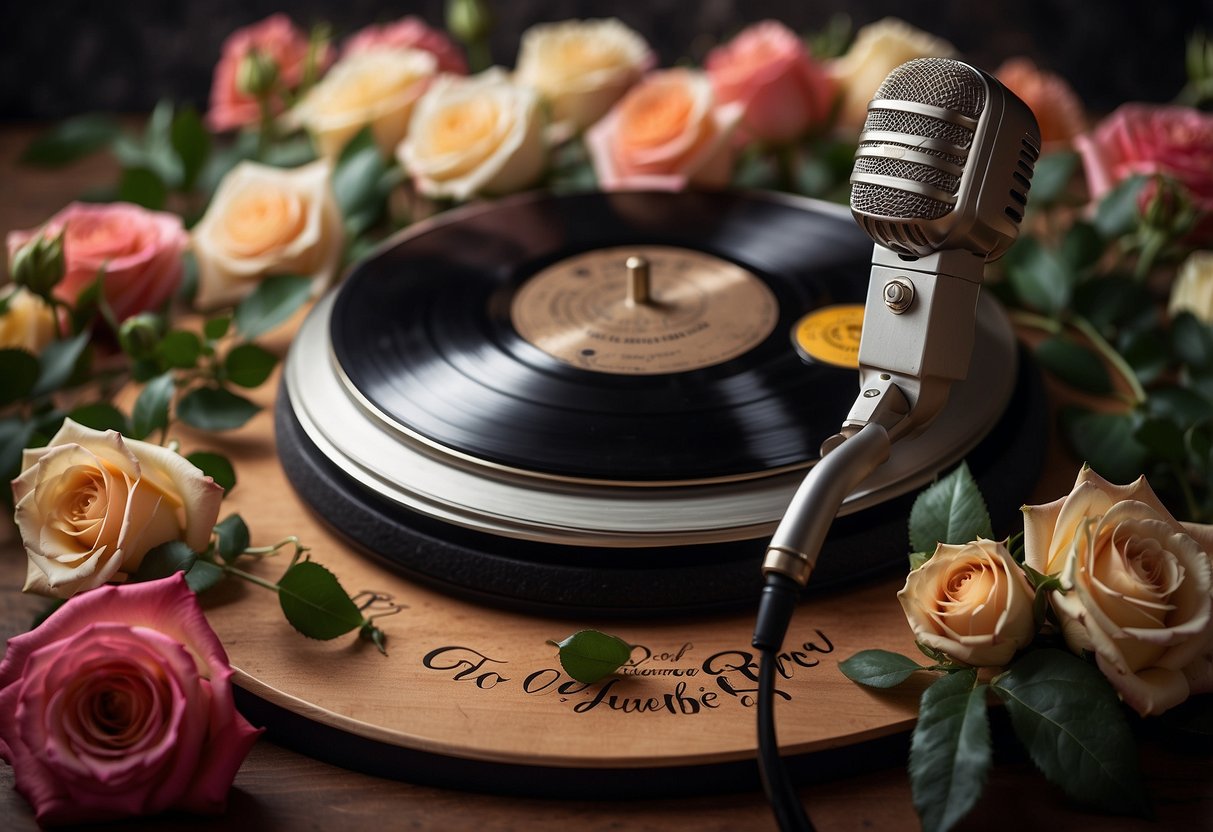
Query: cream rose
877, 50
263, 221
1136, 586
1193, 287
27, 323
971, 602
91, 504
476, 135
376, 86
581, 67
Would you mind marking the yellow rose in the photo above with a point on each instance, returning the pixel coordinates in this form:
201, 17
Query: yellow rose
28, 323
1136, 586
263, 221
877, 50
475, 135
91, 504
581, 67
971, 602
1193, 287
377, 86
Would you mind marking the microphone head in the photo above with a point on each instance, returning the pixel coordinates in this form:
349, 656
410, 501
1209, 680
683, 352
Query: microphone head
945, 161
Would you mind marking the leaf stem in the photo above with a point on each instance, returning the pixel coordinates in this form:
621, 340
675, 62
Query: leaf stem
1035, 321
1112, 357
248, 576
269, 550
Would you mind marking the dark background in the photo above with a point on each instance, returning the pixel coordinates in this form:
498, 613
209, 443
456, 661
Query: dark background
68, 56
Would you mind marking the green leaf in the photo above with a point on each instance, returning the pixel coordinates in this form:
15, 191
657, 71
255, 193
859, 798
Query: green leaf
917, 559
879, 668
15, 435
203, 575
215, 409
142, 186
70, 140
1105, 441
99, 416
273, 301
1146, 352
290, 153
216, 328
164, 560
191, 141
1052, 173
249, 365
1114, 300
1185, 407
1082, 246
1071, 722
217, 467
356, 183
950, 750
180, 348
1161, 437
589, 655
1117, 212
151, 408
314, 602
1039, 276
58, 361
1192, 341
1074, 364
950, 511
233, 537
18, 374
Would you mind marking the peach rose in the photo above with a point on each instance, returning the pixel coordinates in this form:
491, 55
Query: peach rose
120, 704
768, 70
91, 504
667, 133
1052, 100
278, 39
1193, 287
476, 135
581, 68
263, 221
410, 32
877, 50
971, 602
27, 323
1136, 585
373, 86
139, 251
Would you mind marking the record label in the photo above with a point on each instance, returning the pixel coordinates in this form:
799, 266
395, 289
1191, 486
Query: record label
645, 309
831, 335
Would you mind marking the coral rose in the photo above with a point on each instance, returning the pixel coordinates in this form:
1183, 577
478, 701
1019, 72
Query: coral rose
410, 32
277, 39
139, 251
1051, 99
476, 135
91, 504
120, 704
581, 68
264, 221
768, 70
1136, 585
971, 602
666, 133
27, 322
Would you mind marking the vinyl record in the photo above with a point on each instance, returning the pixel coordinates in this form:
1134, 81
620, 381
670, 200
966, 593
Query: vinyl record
426, 335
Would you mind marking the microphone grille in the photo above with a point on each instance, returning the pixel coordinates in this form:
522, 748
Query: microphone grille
937, 81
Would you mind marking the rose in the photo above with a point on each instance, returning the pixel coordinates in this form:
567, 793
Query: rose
1193, 287
1135, 585
120, 704
410, 32
1051, 99
262, 221
27, 322
91, 504
877, 50
666, 133
971, 602
581, 67
768, 70
476, 135
138, 251
1153, 139
277, 39
375, 87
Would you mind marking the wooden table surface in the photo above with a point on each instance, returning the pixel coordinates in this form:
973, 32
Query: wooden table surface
279, 789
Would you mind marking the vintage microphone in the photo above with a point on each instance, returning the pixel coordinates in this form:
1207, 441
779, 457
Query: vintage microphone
940, 183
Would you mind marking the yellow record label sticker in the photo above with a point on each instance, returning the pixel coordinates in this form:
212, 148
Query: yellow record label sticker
830, 335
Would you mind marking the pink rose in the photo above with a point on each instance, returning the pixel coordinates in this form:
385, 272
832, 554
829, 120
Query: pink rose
1052, 100
139, 251
276, 38
411, 33
120, 704
666, 133
1148, 139
768, 70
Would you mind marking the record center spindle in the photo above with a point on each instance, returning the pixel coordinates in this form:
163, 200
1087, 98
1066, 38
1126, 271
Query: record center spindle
638, 280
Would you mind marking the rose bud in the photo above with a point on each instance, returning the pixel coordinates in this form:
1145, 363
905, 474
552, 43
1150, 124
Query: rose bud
139, 334
39, 264
256, 74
